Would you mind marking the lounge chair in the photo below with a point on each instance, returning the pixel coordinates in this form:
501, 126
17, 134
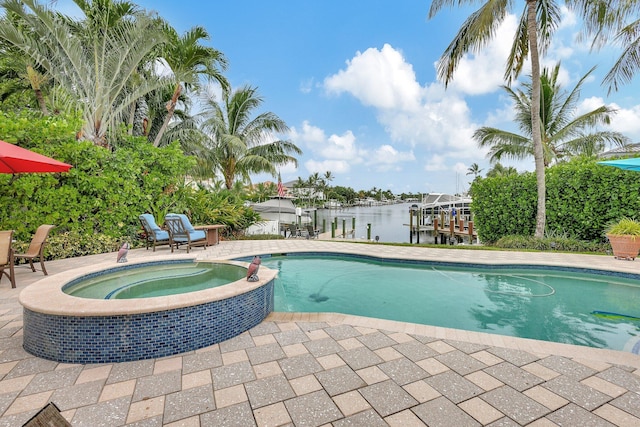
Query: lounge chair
154, 234
312, 233
36, 247
6, 256
182, 232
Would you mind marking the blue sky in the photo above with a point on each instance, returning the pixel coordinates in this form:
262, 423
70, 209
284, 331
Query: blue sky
356, 83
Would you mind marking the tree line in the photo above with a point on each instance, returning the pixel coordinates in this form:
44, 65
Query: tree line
119, 65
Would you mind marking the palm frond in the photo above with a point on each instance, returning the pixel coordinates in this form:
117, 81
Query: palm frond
474, 34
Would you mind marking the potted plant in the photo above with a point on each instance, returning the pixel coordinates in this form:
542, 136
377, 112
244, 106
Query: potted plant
624, 236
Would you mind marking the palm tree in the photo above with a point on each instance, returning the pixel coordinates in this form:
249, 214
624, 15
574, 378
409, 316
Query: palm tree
18, 74
499, 170
188, 61
563, 134
315, 182
606, 20
324, 184
628, 63
474, 170
262, 191
239, 144
93, 59
478, 30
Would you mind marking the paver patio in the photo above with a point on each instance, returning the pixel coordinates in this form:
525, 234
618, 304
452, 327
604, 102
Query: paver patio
322, 369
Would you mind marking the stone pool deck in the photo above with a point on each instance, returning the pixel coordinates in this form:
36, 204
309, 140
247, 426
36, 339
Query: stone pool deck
330, 369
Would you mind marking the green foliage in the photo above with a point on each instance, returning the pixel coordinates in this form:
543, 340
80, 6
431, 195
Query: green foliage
224, 207
259, 237
102, 194
504, 205
582, 198
343, 194
74, 244
564, 244
624, 226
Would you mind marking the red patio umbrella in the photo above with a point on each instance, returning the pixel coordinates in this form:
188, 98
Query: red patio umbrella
14, 159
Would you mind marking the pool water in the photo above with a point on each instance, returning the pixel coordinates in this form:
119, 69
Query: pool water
156, 280
572, 307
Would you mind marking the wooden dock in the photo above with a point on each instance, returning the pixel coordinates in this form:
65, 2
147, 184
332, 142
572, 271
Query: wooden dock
457, 230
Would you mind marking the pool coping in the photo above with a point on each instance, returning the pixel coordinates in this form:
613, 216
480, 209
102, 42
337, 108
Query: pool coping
46, 296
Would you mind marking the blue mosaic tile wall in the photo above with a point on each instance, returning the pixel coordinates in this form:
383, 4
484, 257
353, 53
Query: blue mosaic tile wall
110, 339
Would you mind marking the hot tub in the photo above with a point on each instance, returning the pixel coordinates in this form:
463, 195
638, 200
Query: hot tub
72, 329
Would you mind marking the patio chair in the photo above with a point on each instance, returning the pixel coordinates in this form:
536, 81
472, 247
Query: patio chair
6, 256
181, 232
36, 247
154, 234
311, 232
293, 231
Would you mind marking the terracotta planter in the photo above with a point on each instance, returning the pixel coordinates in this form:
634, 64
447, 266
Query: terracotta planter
624, 247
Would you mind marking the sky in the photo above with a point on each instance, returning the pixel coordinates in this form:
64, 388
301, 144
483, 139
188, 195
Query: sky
356, 83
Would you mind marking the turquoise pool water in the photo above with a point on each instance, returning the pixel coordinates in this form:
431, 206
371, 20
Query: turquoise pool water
156, 280
551, 305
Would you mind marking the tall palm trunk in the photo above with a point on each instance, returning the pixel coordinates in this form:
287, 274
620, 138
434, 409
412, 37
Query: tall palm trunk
171, 108
536, 132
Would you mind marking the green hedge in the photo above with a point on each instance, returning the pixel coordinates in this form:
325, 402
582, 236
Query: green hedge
95, 206
104, 191
582, 197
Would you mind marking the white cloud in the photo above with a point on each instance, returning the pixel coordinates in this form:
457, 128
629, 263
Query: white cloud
338, 153
341, 147
568, 18
378, 78
627, 121
460, 168
308, 135
335, 153
386, 158
388, 154
411, 114
435, 163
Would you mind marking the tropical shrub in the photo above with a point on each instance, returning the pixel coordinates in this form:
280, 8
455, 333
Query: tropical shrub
563, 244
624, 227
582, 198
222, 207
103, 193
504, 205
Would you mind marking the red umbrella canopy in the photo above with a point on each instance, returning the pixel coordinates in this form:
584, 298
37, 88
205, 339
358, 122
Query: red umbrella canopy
14, 159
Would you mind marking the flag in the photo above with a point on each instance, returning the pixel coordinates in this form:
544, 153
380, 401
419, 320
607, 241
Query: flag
280, 187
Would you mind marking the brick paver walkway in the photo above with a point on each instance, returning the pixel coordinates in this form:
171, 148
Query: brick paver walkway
330, 369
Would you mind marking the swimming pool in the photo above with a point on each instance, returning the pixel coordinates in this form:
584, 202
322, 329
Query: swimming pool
551, 304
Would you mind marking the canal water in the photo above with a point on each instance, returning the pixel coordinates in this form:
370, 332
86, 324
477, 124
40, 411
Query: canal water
387, 222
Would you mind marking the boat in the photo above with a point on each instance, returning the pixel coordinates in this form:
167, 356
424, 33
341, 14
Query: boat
436, 204
275, 213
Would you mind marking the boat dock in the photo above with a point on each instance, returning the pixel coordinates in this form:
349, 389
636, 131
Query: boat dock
444, 217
